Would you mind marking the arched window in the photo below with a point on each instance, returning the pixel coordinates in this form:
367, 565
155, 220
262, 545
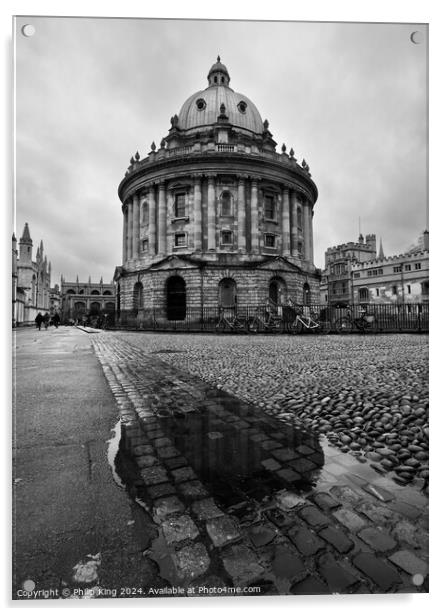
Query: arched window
299, 213
110, 307
118, 299
227, 293
70, 292
79, 309
144, 213
225, 203
138, 299
107, 293
95, 308
306, 294
175, 298
81, 292
95, 292
277, 291
363, 294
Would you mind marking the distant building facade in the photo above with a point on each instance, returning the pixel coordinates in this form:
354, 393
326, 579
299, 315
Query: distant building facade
336, 281
31, 280
367, 278
86, 299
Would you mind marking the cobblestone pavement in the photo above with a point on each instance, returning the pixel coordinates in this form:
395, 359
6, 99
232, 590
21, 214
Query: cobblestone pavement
246, 498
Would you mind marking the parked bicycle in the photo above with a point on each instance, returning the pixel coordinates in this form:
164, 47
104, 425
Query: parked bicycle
304, 319
267, 318
229, 321
363, 323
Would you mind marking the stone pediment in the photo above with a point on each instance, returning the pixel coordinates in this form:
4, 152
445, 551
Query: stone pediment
278, 263
174, 262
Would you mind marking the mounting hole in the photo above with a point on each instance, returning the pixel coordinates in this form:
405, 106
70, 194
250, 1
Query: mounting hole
416, 37
28, 30
418, 579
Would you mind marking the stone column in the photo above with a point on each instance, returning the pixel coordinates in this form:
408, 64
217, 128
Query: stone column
306, 230
311, 234
136, 227
211, 213
294, 226
162, 219
129, 229
197, 214
124, 233
285, 222
241, 240
254, 216
152, 222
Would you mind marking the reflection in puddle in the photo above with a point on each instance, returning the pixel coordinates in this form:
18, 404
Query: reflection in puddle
239, 451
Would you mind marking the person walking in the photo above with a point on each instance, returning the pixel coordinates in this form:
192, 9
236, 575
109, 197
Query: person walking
46, 319
56, 320
38, 320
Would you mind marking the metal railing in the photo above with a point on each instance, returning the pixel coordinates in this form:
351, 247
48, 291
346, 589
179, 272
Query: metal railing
387, 318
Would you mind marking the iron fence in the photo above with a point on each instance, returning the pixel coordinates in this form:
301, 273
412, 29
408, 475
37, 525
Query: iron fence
382, 318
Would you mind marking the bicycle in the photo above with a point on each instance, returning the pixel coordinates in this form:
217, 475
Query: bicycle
365, 322
305, 320
266, 321
231, 322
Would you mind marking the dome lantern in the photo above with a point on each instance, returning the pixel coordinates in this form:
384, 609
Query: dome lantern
218, 74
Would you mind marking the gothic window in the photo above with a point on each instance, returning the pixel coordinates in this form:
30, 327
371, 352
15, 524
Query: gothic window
95, 307
95, 292
70, 292
107, 293
225, 203
269, 207
363, 294
180, 205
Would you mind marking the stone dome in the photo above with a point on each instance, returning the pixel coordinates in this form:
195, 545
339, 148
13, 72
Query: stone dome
205, 106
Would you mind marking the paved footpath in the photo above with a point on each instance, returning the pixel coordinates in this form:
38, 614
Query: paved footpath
66, 504
243, 499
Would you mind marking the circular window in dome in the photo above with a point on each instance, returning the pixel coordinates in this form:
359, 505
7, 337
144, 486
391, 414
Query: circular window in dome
242, 106
200, 104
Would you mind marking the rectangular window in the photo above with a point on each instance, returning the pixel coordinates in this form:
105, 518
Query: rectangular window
377, 292
145, 245
408, 268
369, 273
180, 205
394, 290
269, 240
269, 207
300, 248
227, 237
408, 288
397, 269
180, 239
417, 266
357, 275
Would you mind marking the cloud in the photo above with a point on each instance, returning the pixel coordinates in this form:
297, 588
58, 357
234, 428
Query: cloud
350, 98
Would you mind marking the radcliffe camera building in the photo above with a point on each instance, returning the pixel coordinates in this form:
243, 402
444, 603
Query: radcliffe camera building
215, 217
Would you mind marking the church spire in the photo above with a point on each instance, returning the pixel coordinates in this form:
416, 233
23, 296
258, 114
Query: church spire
381, 254
26, 237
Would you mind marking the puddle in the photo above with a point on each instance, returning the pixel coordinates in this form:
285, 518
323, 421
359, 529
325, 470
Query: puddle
243, 453
112, 452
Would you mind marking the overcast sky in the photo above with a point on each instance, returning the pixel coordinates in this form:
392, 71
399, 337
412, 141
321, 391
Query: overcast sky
349, 98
